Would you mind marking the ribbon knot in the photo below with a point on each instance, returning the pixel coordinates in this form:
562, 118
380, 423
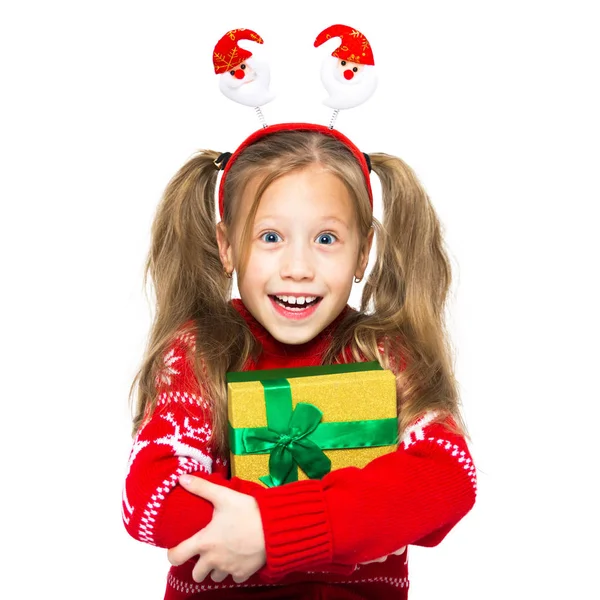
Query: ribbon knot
289, 447
285, 440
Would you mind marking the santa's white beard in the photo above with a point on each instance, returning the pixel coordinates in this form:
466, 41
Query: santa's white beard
249, 93
345, 93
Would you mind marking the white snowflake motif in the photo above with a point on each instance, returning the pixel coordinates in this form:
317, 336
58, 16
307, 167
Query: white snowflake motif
166, 372
187, 429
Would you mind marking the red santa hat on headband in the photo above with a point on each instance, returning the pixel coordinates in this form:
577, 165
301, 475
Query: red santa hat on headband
355, 46
227, 55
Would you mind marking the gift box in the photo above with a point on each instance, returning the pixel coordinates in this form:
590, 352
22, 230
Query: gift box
300, 423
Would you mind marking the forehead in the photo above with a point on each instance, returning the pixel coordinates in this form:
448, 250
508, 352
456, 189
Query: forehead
308, 193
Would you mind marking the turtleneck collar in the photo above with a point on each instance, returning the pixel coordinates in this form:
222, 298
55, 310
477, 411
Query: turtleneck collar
275, 351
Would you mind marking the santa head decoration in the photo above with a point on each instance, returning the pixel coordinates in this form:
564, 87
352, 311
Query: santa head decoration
348, 74
243, 78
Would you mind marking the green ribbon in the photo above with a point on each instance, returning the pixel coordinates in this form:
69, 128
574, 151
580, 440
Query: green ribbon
293, 372
296, 437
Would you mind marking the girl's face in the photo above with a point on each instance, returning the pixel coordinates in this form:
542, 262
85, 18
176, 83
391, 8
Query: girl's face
305, 249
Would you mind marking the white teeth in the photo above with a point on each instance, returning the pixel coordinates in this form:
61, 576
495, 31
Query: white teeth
296, 300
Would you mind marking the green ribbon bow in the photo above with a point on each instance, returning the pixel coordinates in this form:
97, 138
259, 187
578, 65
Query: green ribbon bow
291, 447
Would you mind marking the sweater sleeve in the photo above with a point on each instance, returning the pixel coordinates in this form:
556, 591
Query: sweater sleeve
173, 440
414, 495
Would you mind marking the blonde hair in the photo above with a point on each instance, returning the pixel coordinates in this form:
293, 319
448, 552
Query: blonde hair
402, 305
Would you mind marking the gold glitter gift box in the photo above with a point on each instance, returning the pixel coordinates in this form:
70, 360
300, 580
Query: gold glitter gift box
300, 423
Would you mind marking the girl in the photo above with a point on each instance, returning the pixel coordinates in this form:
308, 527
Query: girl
297, 228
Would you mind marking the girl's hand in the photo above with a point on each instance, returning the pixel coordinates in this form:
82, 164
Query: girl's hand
383, 558
233, 543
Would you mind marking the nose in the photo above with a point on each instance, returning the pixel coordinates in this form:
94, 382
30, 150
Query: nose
239, 74
297, 263
348, 74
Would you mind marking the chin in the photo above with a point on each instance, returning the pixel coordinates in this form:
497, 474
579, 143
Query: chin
293, 338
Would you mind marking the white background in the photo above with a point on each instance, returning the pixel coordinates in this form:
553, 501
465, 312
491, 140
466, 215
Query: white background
495, 106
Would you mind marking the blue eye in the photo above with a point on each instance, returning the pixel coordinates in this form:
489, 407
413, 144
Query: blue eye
270, 237
324, 237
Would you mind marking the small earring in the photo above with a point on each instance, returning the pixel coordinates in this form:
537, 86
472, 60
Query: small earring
357, 279
228, 274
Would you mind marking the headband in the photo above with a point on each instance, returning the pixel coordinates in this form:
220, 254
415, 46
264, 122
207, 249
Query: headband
347, 75
226, 160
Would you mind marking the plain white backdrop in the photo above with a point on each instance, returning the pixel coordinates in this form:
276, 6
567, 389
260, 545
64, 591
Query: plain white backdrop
495, 106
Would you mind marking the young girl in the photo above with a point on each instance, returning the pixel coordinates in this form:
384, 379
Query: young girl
297, 228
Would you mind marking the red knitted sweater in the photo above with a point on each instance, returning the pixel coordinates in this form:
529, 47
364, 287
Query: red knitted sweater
317, 532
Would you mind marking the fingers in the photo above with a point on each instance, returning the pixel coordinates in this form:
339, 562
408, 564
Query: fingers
184, 551
203, 488
207, 490
376, 560
217, 575
201, 570
204, 568
383, 558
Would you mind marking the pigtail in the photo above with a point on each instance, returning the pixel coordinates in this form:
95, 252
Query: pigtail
401, 320
184, 251
191, 291
408, 288
412, 274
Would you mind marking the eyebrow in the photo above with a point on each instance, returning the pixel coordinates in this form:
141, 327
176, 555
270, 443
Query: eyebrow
329, 219
335, 220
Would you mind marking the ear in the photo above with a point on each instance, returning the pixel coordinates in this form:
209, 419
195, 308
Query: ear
225, 248
363, 256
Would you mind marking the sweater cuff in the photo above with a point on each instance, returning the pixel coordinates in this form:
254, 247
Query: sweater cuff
296, 527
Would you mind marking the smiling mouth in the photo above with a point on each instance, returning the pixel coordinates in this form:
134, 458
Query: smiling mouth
296, 303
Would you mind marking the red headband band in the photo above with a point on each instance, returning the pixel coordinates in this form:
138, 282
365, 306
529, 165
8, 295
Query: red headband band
257, 135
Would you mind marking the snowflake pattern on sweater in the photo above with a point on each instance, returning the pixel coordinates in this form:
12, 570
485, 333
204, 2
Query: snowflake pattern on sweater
413, 496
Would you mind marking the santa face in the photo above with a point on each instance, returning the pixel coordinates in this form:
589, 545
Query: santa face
248, 83
347, 83
348, 71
